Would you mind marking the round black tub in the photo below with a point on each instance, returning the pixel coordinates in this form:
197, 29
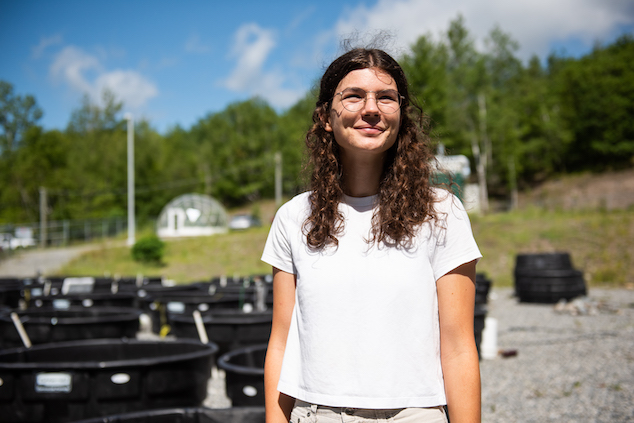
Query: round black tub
533, 261
550, 285
162, 308
188, 415
244, 375
61, 302
74, 284
249, 288
44, 325
479, 316
483, 286
230, 329
10, 292
161, 291
68, 381
133, 284
547, 278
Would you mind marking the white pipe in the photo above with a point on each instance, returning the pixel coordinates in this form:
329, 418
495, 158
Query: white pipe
200, 327
489, 344
20, 328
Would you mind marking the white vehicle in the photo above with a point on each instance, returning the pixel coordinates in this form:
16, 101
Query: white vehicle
244, 221
23, 238
5, 241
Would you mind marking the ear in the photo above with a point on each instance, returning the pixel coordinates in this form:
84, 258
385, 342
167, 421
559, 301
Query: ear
325, 121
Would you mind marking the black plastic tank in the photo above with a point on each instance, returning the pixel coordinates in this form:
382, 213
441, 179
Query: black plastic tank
69, 381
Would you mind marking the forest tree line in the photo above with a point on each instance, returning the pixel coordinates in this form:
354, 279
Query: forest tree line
519, 124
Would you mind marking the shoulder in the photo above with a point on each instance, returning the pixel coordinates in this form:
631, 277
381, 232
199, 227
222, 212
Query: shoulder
448, 208
445, 200
296, 207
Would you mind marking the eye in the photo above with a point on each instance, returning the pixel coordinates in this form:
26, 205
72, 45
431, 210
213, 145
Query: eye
388, 96
353, 95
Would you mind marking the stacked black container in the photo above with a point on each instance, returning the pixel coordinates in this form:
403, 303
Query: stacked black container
483, 285
235, 312
54, 310
547, 278
84, 361
244, 374
188, 415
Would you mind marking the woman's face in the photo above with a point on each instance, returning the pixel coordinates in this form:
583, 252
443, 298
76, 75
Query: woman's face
368, 131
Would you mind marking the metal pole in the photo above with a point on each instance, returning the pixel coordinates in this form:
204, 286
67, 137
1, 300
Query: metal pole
43, 208
278, 179
66, 232
131, 220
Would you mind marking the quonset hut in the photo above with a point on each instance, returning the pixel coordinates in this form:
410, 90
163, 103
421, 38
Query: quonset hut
192, 215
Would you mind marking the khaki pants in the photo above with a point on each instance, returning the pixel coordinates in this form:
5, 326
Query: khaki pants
304, 412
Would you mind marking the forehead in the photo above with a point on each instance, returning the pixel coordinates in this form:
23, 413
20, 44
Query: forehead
370, 79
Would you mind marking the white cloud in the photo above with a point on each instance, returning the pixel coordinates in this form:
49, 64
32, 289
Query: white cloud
195, 45
535, 24
300, 18
38, 50
252, 46
84, 73
128, 86
71, 65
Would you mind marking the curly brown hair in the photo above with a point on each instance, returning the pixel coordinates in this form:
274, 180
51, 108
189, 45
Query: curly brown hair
405, 196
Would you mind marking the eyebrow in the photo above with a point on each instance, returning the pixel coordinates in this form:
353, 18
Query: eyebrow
371, 91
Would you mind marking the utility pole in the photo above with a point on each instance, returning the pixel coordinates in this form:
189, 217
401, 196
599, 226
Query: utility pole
278, 178
131, 219
43, 207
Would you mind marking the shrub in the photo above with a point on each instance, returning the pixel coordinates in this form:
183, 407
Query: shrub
148, 249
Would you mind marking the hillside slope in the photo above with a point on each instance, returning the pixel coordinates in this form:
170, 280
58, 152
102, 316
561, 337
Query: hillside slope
607, 191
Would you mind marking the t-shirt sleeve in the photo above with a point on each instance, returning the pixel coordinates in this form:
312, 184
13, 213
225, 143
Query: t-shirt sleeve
277, 250
455, 244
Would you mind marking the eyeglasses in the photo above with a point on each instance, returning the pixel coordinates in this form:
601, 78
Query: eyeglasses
354, 99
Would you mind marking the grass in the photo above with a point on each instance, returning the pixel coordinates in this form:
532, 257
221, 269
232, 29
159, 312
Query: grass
185, 260
600, 243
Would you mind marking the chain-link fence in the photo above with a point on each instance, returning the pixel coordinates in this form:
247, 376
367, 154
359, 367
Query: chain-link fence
62, 232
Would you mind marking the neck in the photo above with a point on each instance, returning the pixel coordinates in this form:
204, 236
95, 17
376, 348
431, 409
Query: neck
362, 176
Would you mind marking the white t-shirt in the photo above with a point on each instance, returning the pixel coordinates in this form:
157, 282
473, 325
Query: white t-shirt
364, 330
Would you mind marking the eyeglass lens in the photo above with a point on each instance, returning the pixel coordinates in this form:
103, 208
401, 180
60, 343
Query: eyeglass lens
353, 99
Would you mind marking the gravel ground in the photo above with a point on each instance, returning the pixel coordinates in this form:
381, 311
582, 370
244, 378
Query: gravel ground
29, 263
568, 367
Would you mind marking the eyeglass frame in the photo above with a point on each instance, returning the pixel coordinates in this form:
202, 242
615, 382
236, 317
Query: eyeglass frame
365, 99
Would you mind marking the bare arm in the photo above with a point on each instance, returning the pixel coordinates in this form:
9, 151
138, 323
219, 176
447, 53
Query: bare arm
278, 405
458, 353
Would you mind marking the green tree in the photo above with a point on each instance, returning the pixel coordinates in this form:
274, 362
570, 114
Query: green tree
598, 99
466, 100
17, 115
498, 115
544, 135
294, 124
96, 168
41, 162
426, 70
236, 151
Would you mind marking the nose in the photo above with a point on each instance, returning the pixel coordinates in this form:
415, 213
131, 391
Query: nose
371, 107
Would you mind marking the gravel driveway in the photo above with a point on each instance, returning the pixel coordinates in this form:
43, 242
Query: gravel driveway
570, 366
29, 263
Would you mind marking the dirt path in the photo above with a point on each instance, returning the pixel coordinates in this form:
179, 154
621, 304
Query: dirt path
37, 261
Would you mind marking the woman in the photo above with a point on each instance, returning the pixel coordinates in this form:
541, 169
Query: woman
374, 269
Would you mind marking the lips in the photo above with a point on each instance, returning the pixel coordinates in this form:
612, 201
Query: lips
368, 129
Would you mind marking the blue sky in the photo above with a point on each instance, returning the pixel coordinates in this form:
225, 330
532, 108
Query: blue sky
174, 62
